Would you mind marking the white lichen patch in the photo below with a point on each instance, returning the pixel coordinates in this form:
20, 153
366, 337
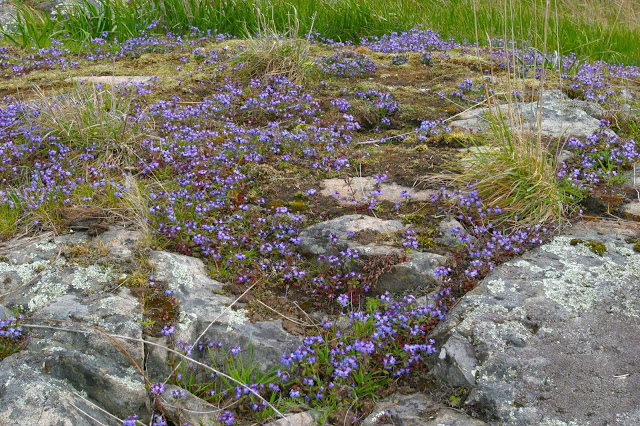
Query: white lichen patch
578, 287
182, 275
234, 318
185, 320
495, 286
53, 284
83, 278
526, 266
25, 271
46, 246
48, 288
129, 381
556, 422
562, 247
507, 325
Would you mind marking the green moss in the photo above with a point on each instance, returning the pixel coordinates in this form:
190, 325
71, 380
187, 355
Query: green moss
636, 247
576, 241
413, 219
595, 246
425, 242
298, 206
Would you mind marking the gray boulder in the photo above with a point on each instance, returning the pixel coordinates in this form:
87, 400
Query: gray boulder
30, 395
416, 410
183, 407
552, 337
204, 308
560, 116
374, 237
62, 294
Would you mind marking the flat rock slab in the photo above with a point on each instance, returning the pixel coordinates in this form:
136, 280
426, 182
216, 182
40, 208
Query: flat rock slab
358, 190
374, 237
115, 80
561, 116
552, 337
416, 410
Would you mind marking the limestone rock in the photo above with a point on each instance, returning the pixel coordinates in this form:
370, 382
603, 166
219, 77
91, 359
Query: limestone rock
84, 361
306, 418
561, 116
182, 407
554, 336
202, 307
30, 396
115, 80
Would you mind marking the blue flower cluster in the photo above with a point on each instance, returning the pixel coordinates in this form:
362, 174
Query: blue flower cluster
597, 159
346, 63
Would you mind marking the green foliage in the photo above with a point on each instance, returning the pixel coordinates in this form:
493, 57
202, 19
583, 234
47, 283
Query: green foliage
86, 19
30, 28
597, 29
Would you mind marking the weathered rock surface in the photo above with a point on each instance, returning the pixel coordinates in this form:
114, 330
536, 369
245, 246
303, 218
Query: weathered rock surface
114, 80
552, 337
561, 116
359, 189
63, 364
306, 418
85, 368
202, 307
371, 237
182, 407
29, 395
416, 410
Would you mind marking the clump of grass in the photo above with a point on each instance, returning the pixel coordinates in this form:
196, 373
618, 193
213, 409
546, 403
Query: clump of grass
272, 54
519, 175
88, 114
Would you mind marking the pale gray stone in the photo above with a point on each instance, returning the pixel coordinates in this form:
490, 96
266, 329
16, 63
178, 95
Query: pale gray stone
306, 418
359, 190
561, 116
554, 335
112, 80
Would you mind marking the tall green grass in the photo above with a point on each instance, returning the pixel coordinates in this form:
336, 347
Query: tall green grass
340, 20
595, 29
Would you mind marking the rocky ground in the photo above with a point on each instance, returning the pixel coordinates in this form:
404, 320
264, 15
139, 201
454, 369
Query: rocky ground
543, 336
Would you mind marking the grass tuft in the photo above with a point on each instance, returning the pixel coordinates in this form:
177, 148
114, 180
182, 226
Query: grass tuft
89, 114
518, 174
272, 54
